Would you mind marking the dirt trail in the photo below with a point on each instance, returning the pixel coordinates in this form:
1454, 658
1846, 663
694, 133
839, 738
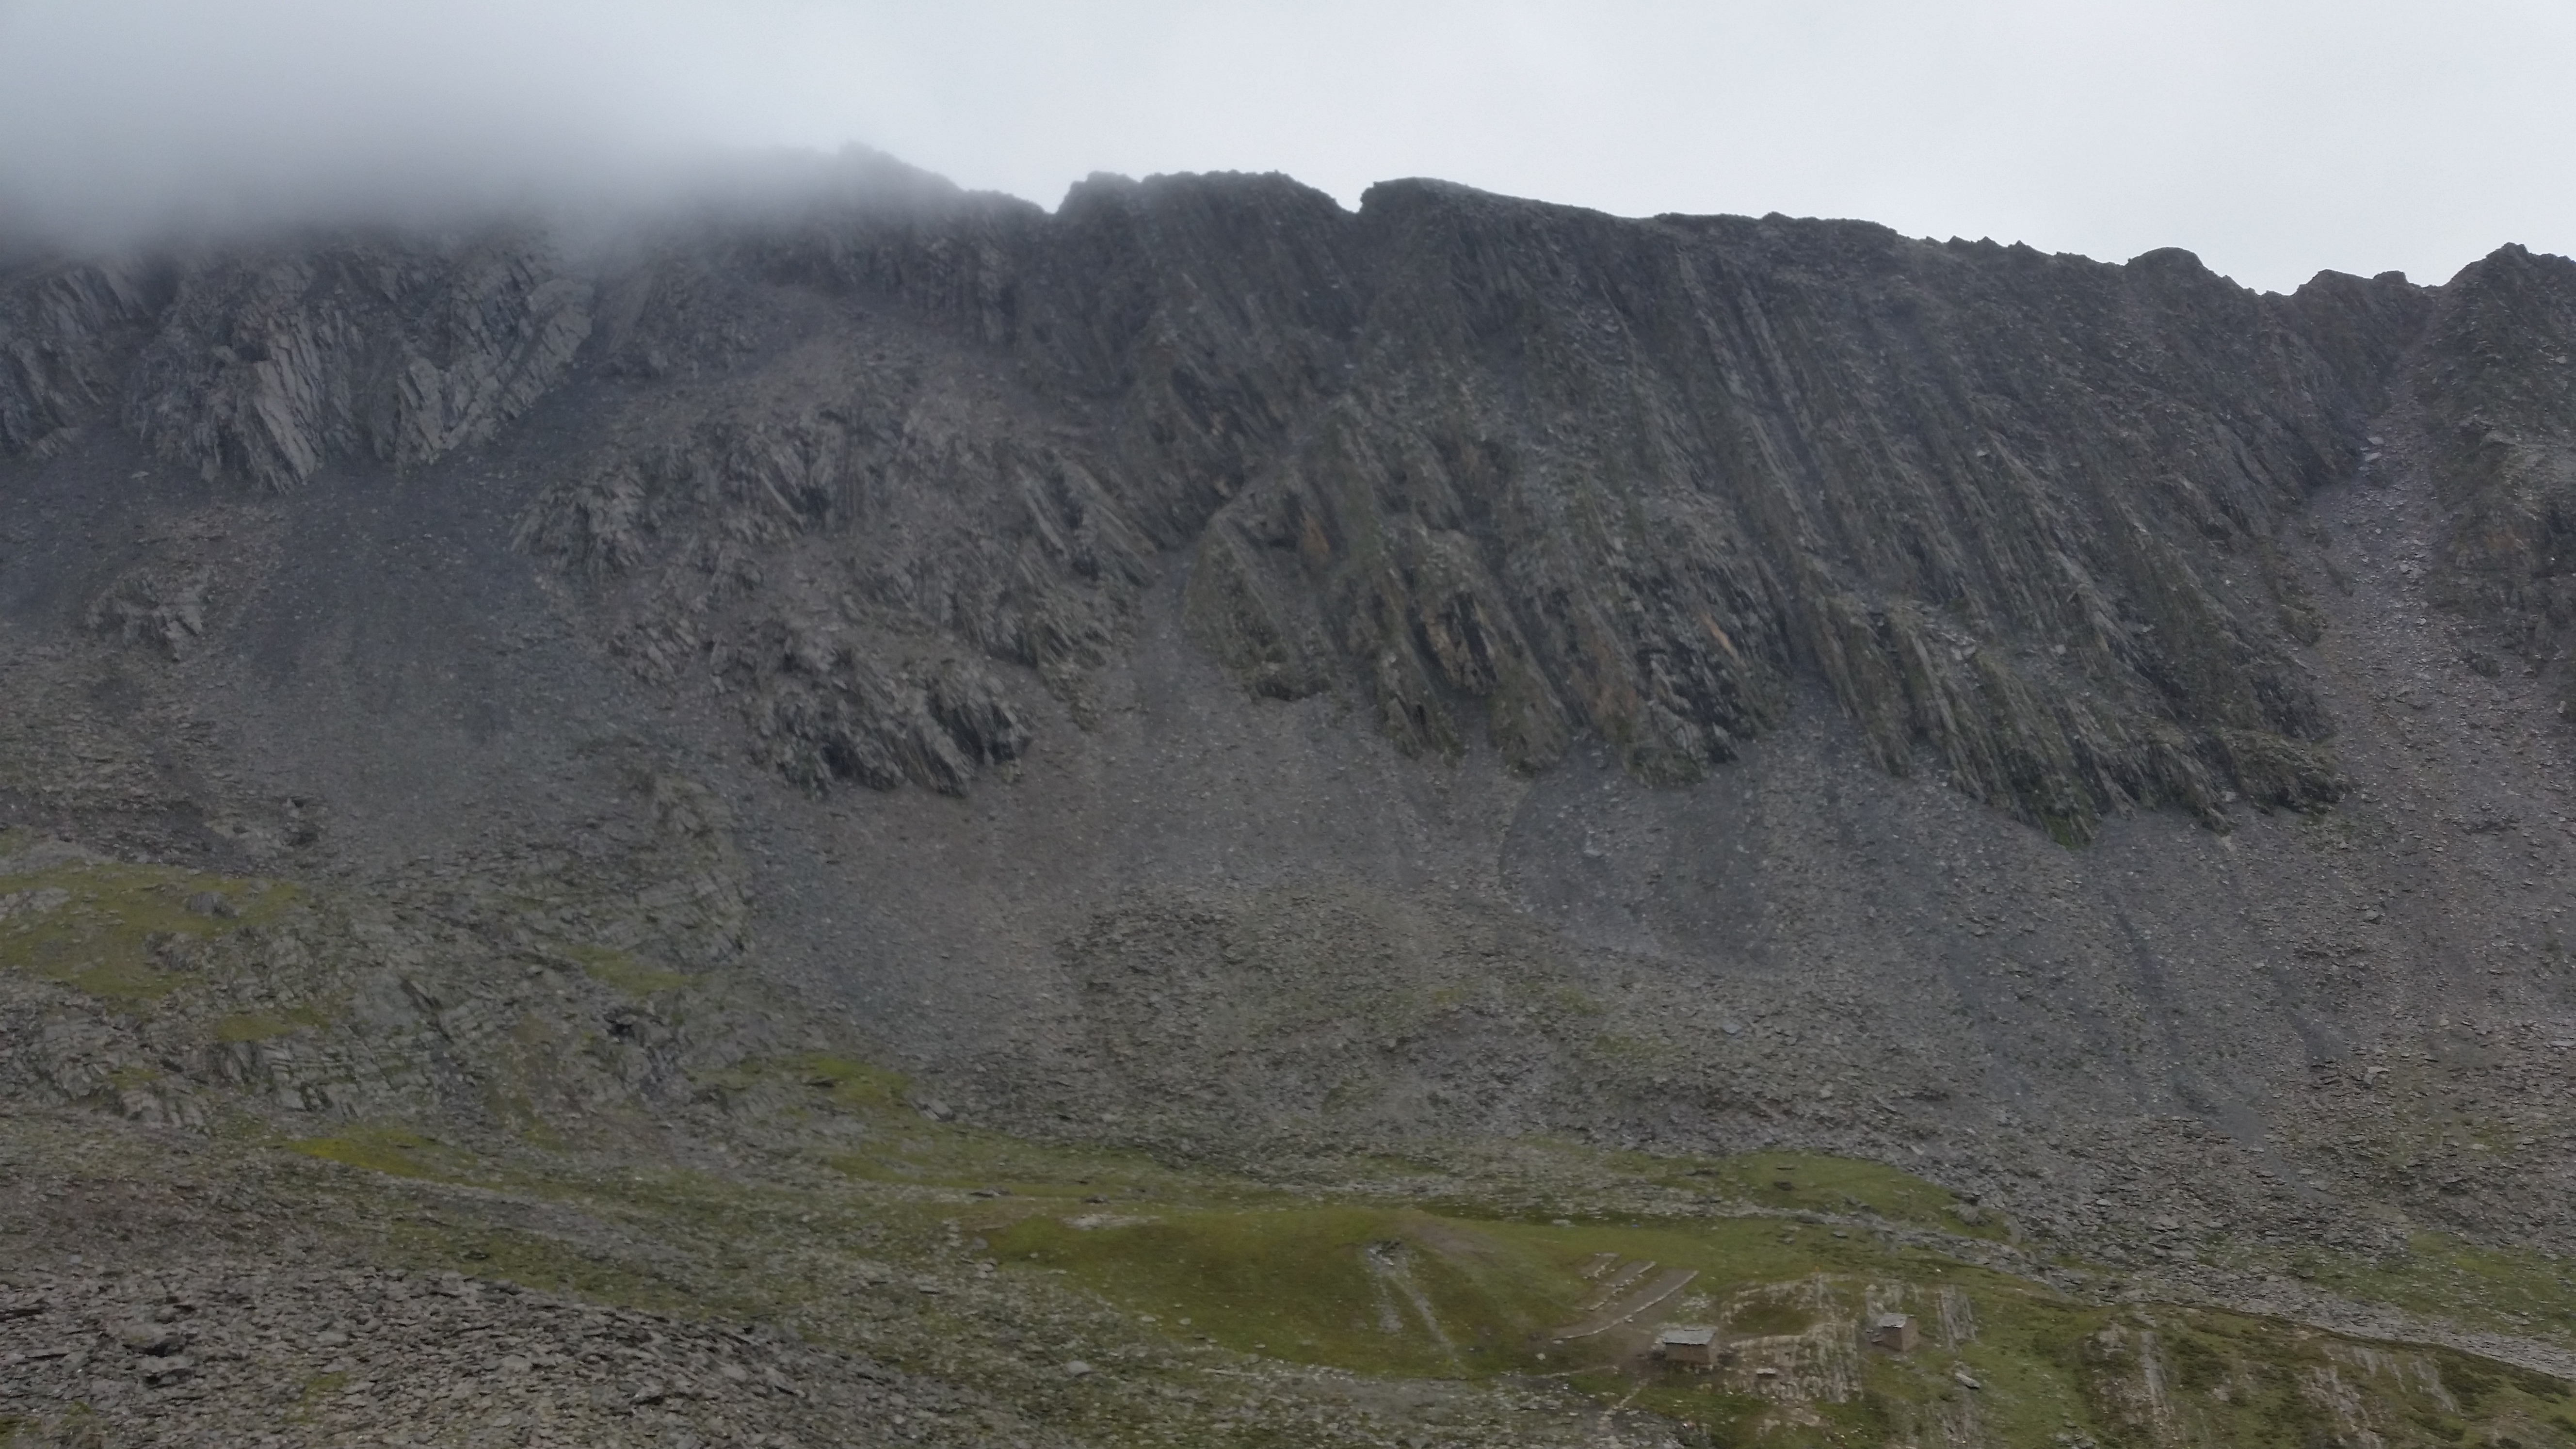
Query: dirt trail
1618, 1282
1664, 1285
1390, 1268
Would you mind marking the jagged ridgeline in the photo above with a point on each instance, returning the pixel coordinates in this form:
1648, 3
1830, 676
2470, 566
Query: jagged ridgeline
1503, 474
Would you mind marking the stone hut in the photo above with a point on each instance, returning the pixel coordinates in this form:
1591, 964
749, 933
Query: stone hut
1696, 1347
1894, 1332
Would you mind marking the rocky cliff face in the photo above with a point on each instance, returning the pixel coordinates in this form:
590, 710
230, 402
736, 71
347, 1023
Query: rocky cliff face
1204, 668
1512, 476
2496, 390
1503, 474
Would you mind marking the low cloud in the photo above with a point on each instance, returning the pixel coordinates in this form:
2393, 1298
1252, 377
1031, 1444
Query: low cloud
2274, 137
142, 115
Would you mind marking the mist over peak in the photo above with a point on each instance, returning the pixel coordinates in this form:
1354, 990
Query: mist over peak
2273, 138
153, 120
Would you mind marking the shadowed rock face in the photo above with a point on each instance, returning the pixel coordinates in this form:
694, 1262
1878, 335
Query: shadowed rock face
1498, 470
1633, 479
1524, 474
257, 368
2494, 386
267, 366
1237, 607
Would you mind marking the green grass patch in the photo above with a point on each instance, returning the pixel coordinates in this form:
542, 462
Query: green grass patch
904, 1145
1329, 1284
1359, 1279
852, 1086
1770, 1316
533, 1260
107, 929
394, 1151
930, 1154
2443, 1277
1379, 1290
1390, 1290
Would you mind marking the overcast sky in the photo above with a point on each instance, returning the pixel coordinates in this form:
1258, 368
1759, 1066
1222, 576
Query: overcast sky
2274, 137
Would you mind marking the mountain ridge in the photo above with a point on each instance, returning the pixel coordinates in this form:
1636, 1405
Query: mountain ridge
1210, 672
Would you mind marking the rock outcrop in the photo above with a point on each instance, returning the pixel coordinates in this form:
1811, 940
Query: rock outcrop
262, 367
2496, 383
1511, 474
65, 332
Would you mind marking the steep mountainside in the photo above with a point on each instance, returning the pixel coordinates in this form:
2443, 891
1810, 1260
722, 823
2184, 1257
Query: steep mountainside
1206, 672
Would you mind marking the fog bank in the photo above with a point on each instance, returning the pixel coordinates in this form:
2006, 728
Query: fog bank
2274, 137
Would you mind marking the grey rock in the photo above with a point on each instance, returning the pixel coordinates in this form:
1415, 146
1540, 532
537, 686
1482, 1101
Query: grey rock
146, 1337
267, 367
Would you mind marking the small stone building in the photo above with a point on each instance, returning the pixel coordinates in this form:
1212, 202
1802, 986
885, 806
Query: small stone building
1696, 1347
1894, 1332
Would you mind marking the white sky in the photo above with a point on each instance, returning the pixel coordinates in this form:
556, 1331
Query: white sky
2274, 137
